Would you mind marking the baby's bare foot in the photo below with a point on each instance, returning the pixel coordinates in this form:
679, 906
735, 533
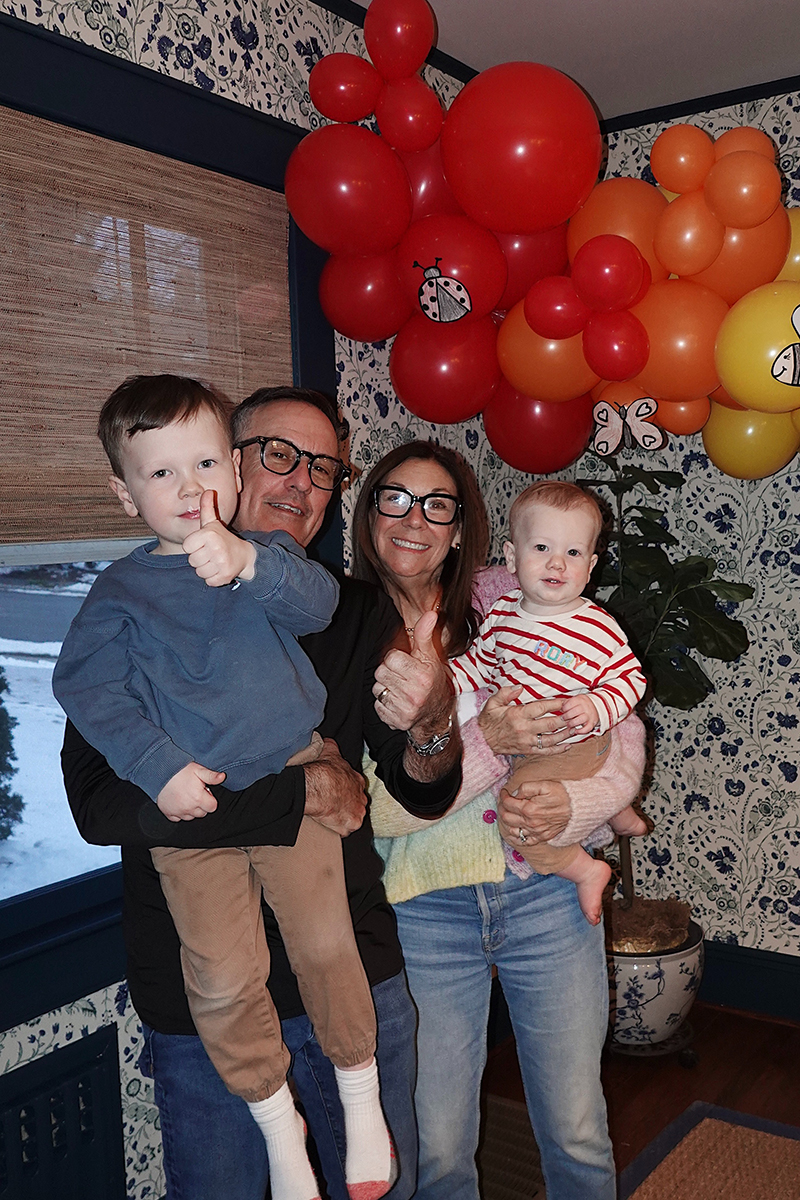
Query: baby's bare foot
590, 887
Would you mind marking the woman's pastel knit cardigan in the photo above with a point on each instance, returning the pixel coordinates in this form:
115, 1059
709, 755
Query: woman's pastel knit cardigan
464, 847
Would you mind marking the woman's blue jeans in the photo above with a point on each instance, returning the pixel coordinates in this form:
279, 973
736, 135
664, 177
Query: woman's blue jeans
551, 965
213, 1149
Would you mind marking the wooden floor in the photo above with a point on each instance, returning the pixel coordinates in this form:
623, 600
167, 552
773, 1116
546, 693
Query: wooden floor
747, 1063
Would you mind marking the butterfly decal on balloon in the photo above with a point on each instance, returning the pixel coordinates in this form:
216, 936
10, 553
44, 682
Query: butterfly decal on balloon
626, 426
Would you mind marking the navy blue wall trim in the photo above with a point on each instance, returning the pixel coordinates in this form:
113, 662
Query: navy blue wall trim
759, 981
64, 942
689, 108
437, 58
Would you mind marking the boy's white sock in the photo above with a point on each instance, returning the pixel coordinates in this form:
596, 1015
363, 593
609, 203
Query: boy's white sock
370, 1166
290, 1173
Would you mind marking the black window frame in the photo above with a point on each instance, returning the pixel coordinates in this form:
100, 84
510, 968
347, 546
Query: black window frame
63, 942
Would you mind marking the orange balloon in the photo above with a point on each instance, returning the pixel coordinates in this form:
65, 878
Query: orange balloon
622, 395
551, 369
720, 396
688, 235
627, 207
743, 189
682, 320
681, 158
683, 416
599, 388
750, 445
748, 258
744, 137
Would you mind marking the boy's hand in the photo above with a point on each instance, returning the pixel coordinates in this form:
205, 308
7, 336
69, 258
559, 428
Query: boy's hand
186, 796
579, 713
217, 555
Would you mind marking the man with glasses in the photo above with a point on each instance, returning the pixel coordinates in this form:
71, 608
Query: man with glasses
290, 464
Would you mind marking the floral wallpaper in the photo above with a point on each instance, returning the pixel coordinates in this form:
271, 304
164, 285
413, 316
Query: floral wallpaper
725, 796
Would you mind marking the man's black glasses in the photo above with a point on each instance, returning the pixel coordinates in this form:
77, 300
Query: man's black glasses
437, 507
281, 457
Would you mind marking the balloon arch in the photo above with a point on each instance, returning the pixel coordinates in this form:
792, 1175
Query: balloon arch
521, 288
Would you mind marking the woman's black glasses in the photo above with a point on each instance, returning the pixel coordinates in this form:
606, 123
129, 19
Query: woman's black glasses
437, 507
281, 457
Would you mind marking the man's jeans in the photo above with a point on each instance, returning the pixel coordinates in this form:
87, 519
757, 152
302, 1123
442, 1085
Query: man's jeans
551, 966
213, 1147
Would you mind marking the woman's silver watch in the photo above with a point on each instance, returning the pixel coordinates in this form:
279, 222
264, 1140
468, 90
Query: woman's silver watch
434, 745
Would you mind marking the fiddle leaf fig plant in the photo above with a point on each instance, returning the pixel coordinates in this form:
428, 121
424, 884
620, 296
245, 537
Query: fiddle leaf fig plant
668, 605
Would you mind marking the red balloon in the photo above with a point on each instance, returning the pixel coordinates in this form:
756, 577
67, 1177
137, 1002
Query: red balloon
344, 87
398, 35
533, 435
347, 190
451, 268
445, 373
647, 279
521, 147
615, 345
553, 308
430, 191
531, 256
409, 114
608, 272
362, 297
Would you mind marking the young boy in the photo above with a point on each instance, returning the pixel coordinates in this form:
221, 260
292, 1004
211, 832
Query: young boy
551, 641
185, 654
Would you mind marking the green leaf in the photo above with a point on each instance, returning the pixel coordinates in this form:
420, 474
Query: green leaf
724, 590
670, 479
693, 570
649, 560
678, 681
651, 531
716, 634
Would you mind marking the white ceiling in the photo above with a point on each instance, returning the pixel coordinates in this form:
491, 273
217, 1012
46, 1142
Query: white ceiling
631, 55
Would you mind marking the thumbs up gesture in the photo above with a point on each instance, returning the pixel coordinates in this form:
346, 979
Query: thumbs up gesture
217, 555
413, 691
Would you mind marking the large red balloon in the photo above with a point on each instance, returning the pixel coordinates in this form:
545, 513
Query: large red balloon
438, 250
533, 435
615, 345
398, 35
344, 87
553, 308
530, 257
521, 147
362, 297
608, 272
348, 191
409, 114
445, 373
430, 191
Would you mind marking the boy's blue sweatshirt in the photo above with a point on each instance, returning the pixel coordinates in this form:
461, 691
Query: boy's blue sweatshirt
159, 670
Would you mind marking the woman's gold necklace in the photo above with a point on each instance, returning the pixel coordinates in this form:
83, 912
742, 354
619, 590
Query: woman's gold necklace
410, 628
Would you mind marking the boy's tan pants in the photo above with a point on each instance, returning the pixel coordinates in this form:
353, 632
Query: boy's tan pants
579, 761
214, 897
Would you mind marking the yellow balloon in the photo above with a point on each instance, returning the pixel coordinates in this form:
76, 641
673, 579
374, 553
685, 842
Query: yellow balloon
796, 419
749, 445
791, 268
758, 348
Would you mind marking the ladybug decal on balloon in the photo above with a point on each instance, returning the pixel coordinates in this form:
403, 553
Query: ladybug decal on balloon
441, 297
786, 367
627, 425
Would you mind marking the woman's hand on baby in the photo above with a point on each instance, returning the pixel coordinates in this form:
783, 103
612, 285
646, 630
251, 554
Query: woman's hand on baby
579, 713
541, 807
511, 728
186, 795
217, 555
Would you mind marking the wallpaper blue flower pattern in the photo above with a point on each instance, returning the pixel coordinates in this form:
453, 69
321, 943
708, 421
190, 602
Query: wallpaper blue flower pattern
725, 796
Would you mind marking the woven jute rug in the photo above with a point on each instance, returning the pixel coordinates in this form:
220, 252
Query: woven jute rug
711, 1153
508, 1159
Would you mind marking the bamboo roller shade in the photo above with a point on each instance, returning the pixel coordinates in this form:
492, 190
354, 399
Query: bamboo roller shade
114, 262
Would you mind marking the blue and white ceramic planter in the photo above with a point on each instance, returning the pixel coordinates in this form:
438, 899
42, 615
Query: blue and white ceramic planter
651, 994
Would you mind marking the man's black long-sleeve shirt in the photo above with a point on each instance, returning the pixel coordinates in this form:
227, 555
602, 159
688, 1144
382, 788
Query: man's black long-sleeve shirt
109, 811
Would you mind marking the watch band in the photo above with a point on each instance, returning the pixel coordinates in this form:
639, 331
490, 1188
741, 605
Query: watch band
434, 745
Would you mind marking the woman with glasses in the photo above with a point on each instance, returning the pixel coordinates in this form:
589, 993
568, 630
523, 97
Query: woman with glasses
420, 531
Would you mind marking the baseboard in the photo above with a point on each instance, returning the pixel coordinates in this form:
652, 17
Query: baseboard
759, 981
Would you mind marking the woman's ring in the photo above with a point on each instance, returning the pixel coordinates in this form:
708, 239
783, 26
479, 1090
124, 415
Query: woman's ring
522, 835
383, 695
538, 741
